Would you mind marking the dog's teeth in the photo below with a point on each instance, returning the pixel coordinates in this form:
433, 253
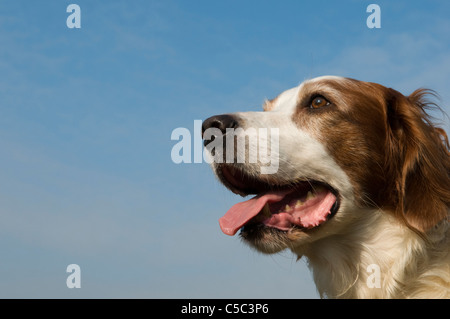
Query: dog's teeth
288, 208
298, 203
266, 210
309, 195
319, 189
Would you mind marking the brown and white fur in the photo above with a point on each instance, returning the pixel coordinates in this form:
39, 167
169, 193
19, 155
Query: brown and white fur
390, 166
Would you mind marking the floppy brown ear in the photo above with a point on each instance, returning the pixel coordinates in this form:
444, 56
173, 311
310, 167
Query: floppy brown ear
418, 161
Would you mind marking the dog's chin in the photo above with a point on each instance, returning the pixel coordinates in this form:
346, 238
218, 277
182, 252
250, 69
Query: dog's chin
263, 231
271, 240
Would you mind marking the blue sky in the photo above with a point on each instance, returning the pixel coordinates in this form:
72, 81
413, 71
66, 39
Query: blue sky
86, 117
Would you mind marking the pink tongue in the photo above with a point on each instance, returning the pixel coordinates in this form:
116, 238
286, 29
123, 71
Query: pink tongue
238, 215
311, 214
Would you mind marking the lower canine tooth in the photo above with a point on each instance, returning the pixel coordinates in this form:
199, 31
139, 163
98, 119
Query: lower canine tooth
299, 203
288, 207
266, 210
309, 195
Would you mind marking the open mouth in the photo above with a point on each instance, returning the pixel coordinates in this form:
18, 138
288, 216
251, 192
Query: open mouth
304, 204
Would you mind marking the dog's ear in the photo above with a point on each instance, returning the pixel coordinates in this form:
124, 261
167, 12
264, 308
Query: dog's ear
418, 160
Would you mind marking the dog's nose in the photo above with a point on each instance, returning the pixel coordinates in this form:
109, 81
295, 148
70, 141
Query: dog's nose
222, 122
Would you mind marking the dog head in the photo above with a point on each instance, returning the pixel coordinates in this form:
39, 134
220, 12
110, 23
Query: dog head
329, 152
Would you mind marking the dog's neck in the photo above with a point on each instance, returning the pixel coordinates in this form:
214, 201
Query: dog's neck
378, 260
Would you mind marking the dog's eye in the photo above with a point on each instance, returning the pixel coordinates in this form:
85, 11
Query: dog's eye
318, 102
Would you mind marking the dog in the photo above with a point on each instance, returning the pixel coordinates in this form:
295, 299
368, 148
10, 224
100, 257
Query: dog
362, 188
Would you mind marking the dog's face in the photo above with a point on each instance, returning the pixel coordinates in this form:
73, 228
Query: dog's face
342, 149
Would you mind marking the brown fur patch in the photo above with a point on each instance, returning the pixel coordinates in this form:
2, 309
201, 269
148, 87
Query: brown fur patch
394, 156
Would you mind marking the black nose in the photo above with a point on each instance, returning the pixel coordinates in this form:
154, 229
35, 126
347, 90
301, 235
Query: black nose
222, 122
